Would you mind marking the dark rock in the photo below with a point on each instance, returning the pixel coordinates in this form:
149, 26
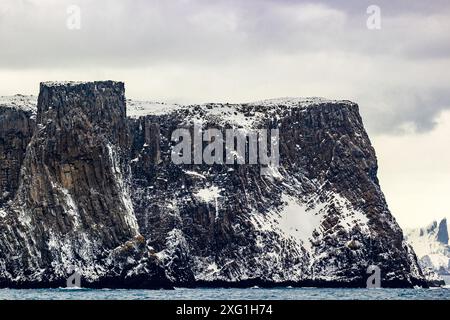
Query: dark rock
16, 130
72, 209
98, 192
328, 167
442, 235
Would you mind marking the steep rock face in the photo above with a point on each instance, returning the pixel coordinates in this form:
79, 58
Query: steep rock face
442, 234
97, 192
17, 122
320, 218
72, 209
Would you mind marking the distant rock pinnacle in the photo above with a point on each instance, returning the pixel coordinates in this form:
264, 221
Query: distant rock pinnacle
442, 235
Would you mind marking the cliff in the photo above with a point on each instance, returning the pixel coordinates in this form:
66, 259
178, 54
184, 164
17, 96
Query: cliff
318, 219
99, 192
71, 210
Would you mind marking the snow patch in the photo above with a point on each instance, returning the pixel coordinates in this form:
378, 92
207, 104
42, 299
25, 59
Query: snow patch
298, 221
349, 216
208, 194
195, 174
242, 115
65, 83
19, 102
136, 109
124, 194
71, 208
296, 102
231, 114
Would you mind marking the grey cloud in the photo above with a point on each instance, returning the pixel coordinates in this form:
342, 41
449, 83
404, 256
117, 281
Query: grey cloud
216, 35
136, 32
405, 109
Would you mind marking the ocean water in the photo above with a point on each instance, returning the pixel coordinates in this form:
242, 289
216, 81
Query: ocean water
228, 294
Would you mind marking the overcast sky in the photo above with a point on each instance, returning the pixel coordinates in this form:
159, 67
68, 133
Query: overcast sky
235, 51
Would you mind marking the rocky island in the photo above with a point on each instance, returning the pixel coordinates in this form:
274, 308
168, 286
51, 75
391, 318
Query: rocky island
87, 184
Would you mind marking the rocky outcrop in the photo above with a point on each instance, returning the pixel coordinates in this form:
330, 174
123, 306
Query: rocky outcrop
318, 219
442, 234
98, 192
72, 209
17, 122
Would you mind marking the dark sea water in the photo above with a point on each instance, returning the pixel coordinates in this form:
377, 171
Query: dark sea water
229, 294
